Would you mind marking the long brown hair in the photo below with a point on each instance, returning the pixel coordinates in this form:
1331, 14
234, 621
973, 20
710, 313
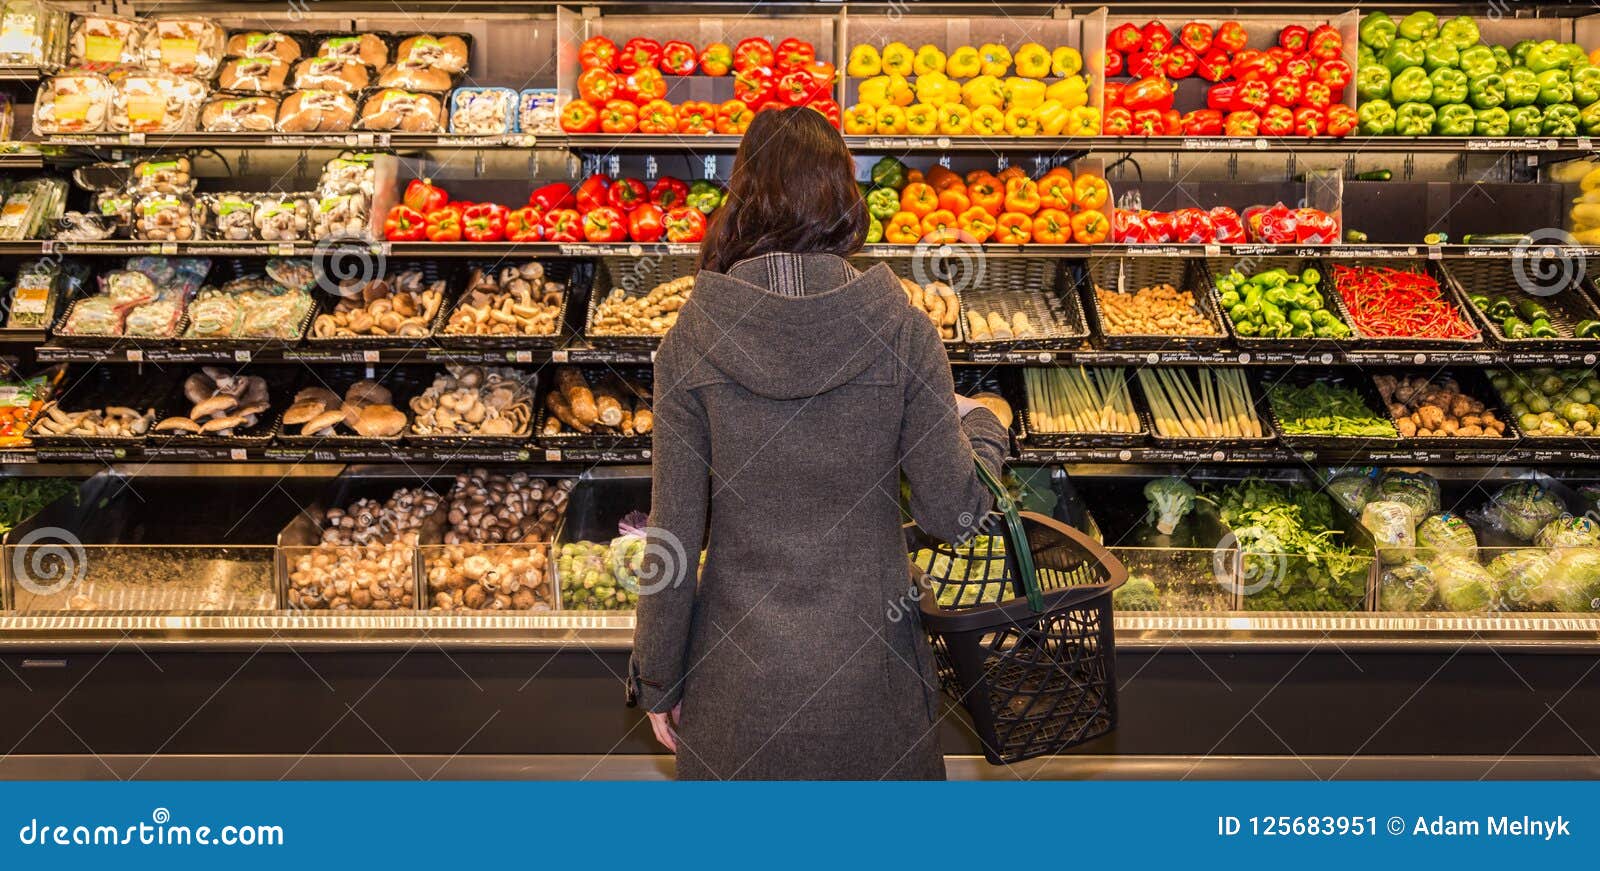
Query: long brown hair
793, 190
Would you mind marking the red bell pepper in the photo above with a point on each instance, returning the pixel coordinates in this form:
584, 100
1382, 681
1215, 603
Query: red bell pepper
1342, 120
753, 52
579, 116
1231, 36
733, 118
678, 58
696, 118
1118, 122
716, 59
1294, 38
484, 222
557, 195
1156, 36
1148, 122
524, 225
598, 85
1255, 66
1316, 95
669, 192
1125, 38
1114, 63
685, 224
1326, 43
1151, 92
822, 73
1281, 55
1144, 63
829, 109
1309, 122
1215, 65
1254, 96
1113, 93
1158, 225
1196, 36
644, 223
592, 192
794, 54
562, 225
1285, 91
1315, 226
754, 86
1334, 73
1299, 67
1179, 62
598, 53
421, 194
444, 225
1128, 225
604, 224
643, 85
627, 194
639, 53
1203, 122
1277, 121
619, 116
796, 88
1241, 123
405, 224
1226, 225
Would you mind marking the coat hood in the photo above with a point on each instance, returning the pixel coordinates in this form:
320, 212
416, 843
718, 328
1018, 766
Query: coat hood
792, 346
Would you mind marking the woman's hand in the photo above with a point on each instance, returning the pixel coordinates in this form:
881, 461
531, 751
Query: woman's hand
664, 729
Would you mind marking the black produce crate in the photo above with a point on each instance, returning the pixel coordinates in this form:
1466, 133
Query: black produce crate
1475, 384
1517, 279
403, 383
1302, 376
922, 272
468, 442
59, 334
1041, 288
280, 387
99, 387
642, 377
1229, 443
560, 271
636, 276
432, 271
1037, 438
1214, 266
1447, 288
1127, 275
1530, 438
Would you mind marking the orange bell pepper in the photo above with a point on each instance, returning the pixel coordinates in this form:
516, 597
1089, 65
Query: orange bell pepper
942, 236
1013, 228
1056, 170
1090, 192
914, 175
937, 221
976, 174
977, 224
1011, 172
986, 192
697, 118
919, 198
1055, 192
955, 199
903, 229
1022, 195
1052, 227
733, 118
1090, 227
942, 178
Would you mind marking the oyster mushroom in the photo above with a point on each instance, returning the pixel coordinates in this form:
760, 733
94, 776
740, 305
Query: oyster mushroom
215, 405
178, 424
327, 420
224, 425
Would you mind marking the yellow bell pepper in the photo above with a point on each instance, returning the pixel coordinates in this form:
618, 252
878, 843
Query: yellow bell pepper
897, 58
988, 121
891, 119
1033, 60
983, 91
1590, 181
1024, 93
952, 91
900, 92
1065, 61
964, 63
931, 88
1072, 92
955, 119
1052, 117
1587, 237
864, 62
861, 120
874, 91
1586, 213
921, 119
1022, 122
1082, 121
996, 59
929, 59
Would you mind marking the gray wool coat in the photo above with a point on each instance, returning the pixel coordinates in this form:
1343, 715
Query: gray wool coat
783, 423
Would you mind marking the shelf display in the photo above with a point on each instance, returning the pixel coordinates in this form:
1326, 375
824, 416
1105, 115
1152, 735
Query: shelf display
907, 206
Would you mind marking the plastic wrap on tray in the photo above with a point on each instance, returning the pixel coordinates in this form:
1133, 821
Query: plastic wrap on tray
415, 77
348, 175
282, 217
537, 111
254, 307
32, 33
239, 113
30, 207
33, 298
341, 216
254, 75
188, 46
369, 48
73, 102
155, 103
263, 43
103, 42
83, 227
162, 175
166, 218
316, 112
8, 118
331, 74
448, 52
483, 111
116, 207
230, 217
391, 109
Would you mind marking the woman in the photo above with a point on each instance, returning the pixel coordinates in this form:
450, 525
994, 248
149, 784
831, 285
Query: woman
789, 397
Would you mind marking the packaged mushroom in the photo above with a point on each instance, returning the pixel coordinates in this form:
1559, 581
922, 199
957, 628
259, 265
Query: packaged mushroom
104, 42
282, 217
166, 218
331, 74
510, 301
365, 559
316, 112
939, 301
254, 75
72, 102
111, 422
446, 53
537, 111
366, 410
341, 216
239, 113
496, 551
230, 217
651, 314
32, 34
155, 103
161, 175
259, 43
348, 175
368, 48
117, 208
474, 401
248, 308
185, 46
483, 111
403, 305
605, 405
221, 404
145, 299
406, 111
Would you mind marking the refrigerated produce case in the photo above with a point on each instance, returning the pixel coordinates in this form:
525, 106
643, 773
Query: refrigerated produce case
271, 586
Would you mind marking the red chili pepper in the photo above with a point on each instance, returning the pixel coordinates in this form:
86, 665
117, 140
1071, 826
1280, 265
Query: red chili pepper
1385, 302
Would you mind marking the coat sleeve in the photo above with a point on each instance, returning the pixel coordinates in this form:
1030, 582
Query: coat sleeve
680, 492
937, 445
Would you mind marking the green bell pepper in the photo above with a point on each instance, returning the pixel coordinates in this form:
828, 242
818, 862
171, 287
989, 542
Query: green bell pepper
1372, 82
1375, 118
1525, 121
1412, 85
1547, 55
1560, 120
1519, 52
889, 173
874, 230
704, 196
1486, 92
1478, 60
1589, 119
1438, 54
1365, 55
1586, 85
1492, 122
1456, 119
1414, 119
1555, 86
882, 203
1502, 58
1449, 86
1460, 31
1403, 53
1522, 87
1419, 25
1376, 30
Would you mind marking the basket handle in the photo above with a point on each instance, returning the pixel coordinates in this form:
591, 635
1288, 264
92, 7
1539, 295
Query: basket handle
1019, 536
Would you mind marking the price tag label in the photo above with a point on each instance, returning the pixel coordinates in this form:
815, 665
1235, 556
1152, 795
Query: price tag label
169, 248
236, 454
1213, 250
552, 455
241, 356
559, 355
135, 355
1435, 252
370, 357
523, 356
1585, 143
135, 138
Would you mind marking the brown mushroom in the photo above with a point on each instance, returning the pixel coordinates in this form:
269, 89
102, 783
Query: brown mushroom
325, 420
215, 405
379, 421
178, 424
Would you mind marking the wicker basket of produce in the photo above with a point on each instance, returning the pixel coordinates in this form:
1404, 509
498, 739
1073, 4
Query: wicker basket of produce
1559, 315
1278, 303
1077, 406
594, 407
635, 300
1152, 304
1401, 303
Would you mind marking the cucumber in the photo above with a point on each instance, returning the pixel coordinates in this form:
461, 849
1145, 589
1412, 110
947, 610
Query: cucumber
1375, 175
1496, 238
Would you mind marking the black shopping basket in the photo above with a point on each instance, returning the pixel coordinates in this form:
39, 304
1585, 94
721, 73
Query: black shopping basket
1021, 625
